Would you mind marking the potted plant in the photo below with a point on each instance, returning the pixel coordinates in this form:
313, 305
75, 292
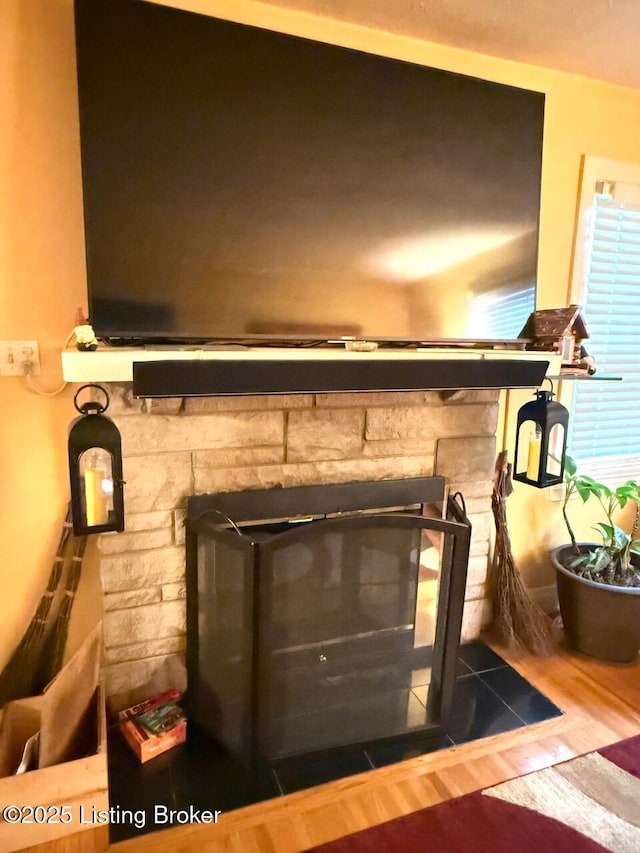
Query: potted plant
599, 583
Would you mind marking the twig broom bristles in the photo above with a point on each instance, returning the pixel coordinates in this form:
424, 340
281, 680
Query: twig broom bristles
517, 621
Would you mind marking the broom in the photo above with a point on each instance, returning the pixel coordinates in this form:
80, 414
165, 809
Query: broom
20, 677
518, 622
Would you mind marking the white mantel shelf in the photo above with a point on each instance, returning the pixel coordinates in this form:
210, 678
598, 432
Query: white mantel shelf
117, 364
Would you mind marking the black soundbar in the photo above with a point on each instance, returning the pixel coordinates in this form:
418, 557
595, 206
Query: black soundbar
173, 378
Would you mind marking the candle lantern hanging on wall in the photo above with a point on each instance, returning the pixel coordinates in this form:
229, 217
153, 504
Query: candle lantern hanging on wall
541, 441
95, 468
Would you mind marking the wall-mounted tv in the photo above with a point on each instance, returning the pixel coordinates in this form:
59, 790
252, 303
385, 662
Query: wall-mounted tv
244, 184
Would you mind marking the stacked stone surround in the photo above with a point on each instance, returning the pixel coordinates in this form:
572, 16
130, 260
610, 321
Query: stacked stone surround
179, 447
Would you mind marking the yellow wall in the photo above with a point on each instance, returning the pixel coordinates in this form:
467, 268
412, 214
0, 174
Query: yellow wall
42, 278
41, 285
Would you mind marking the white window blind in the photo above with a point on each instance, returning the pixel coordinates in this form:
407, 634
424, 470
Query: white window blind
501, 313
605, 422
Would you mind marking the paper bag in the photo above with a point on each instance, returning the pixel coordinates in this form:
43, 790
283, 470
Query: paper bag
57, 713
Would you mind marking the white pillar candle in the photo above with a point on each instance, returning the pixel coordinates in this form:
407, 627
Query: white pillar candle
96, 478
533, 458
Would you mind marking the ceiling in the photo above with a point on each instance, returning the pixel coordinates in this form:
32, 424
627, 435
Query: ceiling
595, 38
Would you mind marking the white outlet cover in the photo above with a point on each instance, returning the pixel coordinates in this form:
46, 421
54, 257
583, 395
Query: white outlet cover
14, 355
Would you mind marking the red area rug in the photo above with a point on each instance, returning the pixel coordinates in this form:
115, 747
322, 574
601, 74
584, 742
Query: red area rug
591, 803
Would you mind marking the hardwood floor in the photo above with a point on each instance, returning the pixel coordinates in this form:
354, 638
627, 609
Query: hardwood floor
601, 704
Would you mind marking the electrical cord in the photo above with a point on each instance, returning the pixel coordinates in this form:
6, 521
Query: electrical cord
34, 387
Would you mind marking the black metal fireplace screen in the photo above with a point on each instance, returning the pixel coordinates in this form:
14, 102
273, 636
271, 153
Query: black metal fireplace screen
311, 609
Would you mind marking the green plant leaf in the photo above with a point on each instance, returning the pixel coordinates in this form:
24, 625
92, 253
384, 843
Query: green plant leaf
630, 491
601, 559
584, 490
587, 479
620, 538
570, 466
605, 530
577, 561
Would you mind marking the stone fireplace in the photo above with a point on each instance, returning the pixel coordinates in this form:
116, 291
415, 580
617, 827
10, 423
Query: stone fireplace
174, 448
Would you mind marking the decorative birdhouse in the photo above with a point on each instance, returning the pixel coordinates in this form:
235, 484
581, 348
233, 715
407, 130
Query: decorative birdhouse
559, 330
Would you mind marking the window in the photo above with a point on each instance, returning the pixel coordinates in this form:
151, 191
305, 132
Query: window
501, 313
604, 432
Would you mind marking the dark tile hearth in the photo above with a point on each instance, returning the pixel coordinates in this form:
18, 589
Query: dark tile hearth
196, 774
479, 712
298, 774
523, 699
402, 750
478, 657
490, 698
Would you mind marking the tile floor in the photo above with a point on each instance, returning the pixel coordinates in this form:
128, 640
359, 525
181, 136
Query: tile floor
490, 698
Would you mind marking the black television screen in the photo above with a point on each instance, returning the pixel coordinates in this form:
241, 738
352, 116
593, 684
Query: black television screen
240, 182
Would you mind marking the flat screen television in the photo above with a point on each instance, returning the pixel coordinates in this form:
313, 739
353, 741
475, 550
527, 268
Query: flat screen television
241, 184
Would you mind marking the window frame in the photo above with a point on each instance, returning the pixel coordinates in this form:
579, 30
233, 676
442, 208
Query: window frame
612, 470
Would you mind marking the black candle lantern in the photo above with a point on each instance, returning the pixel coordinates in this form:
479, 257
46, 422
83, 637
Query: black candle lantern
541, 441
95, 469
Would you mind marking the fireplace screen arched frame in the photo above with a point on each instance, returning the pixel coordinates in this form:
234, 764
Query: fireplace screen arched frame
302, 630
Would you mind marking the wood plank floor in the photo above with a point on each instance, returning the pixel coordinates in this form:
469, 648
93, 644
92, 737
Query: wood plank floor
601, 704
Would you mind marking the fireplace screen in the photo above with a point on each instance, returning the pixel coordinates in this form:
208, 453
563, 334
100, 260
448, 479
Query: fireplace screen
306, 632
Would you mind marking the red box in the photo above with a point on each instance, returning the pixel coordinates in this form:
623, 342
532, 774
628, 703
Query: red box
148, 704
147, 746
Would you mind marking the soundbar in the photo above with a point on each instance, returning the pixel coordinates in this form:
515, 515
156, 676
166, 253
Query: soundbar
173, 378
